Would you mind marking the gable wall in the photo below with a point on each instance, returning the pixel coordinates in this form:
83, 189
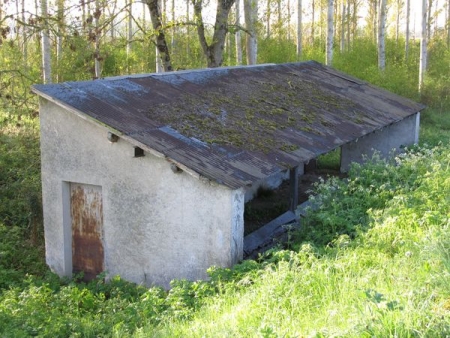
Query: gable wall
157, 225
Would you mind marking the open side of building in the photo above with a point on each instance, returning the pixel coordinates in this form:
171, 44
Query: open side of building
147, 176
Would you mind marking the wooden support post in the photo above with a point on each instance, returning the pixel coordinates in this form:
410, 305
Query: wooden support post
293, 184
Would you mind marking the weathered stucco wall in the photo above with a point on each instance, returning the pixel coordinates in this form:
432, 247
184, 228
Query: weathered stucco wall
157, 225
395, 136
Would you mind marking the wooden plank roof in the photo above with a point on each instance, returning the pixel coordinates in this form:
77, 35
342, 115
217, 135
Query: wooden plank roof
236, 125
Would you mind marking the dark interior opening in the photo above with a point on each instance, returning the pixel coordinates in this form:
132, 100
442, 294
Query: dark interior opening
138, 152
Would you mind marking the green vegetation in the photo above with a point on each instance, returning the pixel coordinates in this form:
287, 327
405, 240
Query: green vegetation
372, 261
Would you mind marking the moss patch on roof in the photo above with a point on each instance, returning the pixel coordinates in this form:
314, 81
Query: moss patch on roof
250, 112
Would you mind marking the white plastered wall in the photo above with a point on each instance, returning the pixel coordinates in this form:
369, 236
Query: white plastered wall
158, 225
394, 136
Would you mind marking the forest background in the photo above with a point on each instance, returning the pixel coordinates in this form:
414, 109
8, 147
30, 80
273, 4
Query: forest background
372, 261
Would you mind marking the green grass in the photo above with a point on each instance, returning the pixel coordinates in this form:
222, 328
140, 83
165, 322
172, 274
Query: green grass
384, 275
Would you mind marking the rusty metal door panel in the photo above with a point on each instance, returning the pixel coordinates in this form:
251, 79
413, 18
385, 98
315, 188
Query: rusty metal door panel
86, 208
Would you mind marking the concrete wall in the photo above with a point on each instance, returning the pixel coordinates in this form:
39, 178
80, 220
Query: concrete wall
158, 225
395, 136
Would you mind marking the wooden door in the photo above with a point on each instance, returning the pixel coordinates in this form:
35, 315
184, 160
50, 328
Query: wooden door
86, 210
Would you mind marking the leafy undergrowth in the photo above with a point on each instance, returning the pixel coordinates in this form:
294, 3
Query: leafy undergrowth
372, 261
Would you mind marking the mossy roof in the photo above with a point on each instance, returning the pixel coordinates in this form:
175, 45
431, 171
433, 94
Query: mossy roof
236, 125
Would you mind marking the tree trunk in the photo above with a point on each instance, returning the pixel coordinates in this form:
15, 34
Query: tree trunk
46, 57
269, 12
448, 24
343, 14
188, 30
408, 14
375, 20
354, 19
313, 14
251, 16
382, 36
330, 33
24, 37
129, 30
280, 19
161, 43
423, 47
97, 32
397, 21
83, 16
299, 29
213, 51
430, 9
174, 31
238, 34
348, 25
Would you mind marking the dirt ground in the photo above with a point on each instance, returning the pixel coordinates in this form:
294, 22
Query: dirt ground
272, 203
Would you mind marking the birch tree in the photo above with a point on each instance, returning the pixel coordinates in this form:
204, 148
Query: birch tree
251, 16
343, 15
408, 15
268, 15
448, 23
129, 27
330, 33
299, 29
429, 18
97, 32
313, 14
45, 45
423, 47
382, 36
188, 30
373, 18
24, 36
237, 35
161, 43
213, 51
397, 19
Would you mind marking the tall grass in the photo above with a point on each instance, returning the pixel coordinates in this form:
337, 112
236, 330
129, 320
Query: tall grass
388, 278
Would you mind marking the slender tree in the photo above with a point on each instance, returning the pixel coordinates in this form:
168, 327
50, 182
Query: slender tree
397, 20
24, 35
373, 18
129, 28
188, 30
45, 45
288, 19
423, 46
280, 19
448, 23
382, 36
343, 14
330, 33
268, 15
408, 15
237, 34
251, 16
59, 36
313, 16
97, 33
161, 43
429, 18
299, 29
348, 24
